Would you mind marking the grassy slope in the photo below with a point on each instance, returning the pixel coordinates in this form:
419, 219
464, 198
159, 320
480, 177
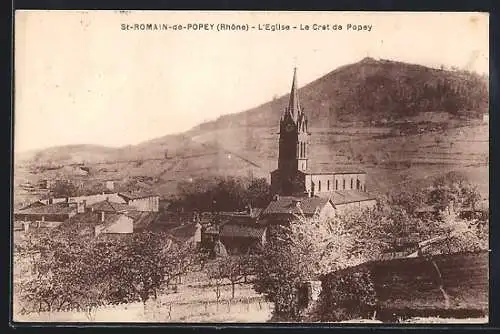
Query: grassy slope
246, 143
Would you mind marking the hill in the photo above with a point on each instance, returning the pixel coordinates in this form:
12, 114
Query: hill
371, 90
398, 121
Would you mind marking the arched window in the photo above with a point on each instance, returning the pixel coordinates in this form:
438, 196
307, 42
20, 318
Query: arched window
328, 185
358, 184
319, 185
336, 184
343, 184
352, 185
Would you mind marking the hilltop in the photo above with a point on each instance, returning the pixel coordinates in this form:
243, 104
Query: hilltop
400, 122
372, 90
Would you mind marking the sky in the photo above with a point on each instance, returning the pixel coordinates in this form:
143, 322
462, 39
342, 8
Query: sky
81, 79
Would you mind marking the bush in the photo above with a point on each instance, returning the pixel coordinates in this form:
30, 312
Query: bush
347, 295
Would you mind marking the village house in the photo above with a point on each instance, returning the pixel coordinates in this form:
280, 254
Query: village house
107, 217
284, 209
39, 215
190, 232
242, 237
114, 223
239, 232
297, 179
142, 201
88, 199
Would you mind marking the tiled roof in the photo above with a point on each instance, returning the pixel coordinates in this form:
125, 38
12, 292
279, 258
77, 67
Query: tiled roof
85, 223
349, 196
110, 219
242, 230
143, 219
255, 213
136, 195
108, 206
183, 232
81, 223
287, 204
54, 209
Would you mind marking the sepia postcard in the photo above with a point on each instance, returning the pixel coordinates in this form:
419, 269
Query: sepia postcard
250, 167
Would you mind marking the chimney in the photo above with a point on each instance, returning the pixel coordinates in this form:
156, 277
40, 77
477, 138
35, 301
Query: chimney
80, 206
102, 216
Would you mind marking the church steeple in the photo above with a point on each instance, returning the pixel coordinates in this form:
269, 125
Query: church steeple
293, 142
293, 103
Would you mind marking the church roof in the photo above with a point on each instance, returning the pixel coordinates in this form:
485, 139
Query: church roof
349, 196
288, 204
329, 169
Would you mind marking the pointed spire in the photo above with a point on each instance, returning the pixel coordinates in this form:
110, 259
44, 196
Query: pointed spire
293, 104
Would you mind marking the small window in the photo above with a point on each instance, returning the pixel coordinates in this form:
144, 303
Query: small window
319, 185
352, 185
328, 185
336, 184
343, 184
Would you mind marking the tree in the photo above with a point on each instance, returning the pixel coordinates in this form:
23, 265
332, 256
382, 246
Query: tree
66, 272
455, 234
222, 194
258, 193
300, 252
229, 268
141, 267
409, 198
216, 275
453, 188
85, 272
64, 188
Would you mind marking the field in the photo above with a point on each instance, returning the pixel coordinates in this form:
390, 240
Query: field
194, 301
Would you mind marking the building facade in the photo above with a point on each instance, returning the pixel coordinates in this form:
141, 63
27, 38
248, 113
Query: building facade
141, 201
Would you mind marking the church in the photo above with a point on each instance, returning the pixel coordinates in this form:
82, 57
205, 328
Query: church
296, 183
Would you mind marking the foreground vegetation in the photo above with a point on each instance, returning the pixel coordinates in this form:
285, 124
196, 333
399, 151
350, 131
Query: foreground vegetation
67, 271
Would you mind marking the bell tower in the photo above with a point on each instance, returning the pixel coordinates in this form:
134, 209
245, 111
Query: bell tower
293, 140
